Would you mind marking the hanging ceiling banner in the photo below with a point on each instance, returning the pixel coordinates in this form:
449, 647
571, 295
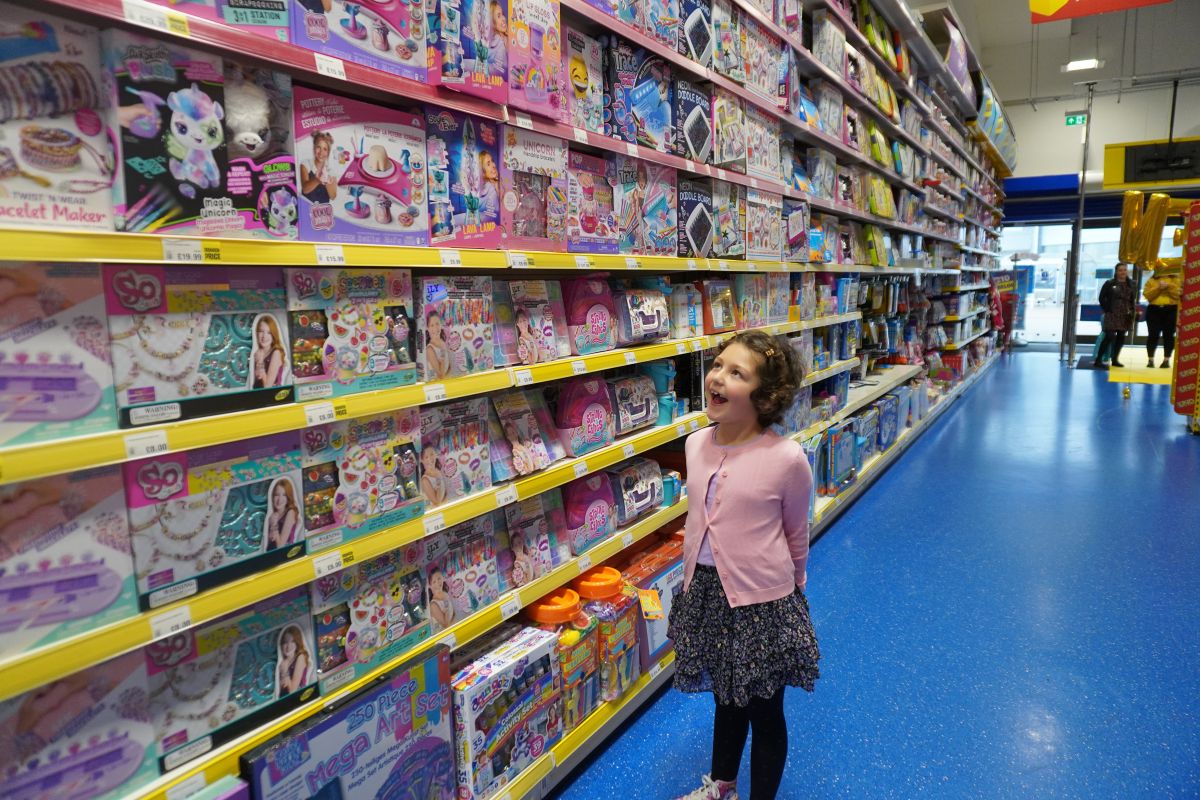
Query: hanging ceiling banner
1057, 10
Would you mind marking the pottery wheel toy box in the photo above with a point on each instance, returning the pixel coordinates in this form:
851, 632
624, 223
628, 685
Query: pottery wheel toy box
56, 158
464, 180
204, 144
392, 739
192, 341
87, 737
387, 35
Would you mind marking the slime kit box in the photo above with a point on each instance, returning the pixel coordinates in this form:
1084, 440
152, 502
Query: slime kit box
533, 213
464, 180
454, 326
646, 207
387, 35
535, 73
591, 217
468, 47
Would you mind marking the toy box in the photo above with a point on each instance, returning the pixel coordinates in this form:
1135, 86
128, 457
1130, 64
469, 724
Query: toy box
693, 122
204, 145
583, 63
729, 130
719, 302
189, 341
591, 315
645, 201
533, 214
368, 614
637, 489
660, 21
778, 297
729, 213
795, 224
889, 429
695, 211
658, 570
65, 563
750, 293
687, 314
828, 41
729, 42
608, 599
468, 47
537, 330
541, 523
764, 225
831, 109
578, 651
352, 330
56, 157
762, 144
584, 415
696, 31
527, 429
464, 180
591, 219
391, 737
387, 35
455, 459
360, 476
88, 731
56, 379
211, 683
764, 59
591, 511
642, 315
535, 74
639, 95
362, 172
454, 326
507, 710
202, 518
461, 570
270, 18
634, 401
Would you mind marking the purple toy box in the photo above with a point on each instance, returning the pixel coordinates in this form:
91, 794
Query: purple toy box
464, 180
591, 216
533, 214
468, 47
535, 76
387, 35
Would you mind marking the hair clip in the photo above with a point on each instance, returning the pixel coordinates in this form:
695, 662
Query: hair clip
769, 352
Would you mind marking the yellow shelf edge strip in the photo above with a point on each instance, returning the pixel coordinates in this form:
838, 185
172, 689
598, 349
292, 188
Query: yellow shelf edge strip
902, 374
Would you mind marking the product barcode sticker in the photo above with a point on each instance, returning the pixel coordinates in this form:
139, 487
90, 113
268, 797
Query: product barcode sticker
522, 377
522, 120
330, 255
631, 358
141, 445
435, 523
632, 263
518, 260
506, 496
584, 562
170, 622
319, 414
631, 149
510, 607
435, 392
692, 265
330, 66
628, 450
183, 251
583, 262
327, 563
189, 787
581, 136
581, 469
451, 258
680, 348
627, 540
579, 367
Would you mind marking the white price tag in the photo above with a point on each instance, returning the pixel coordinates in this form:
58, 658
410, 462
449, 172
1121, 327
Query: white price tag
435, 523
680, 348
510, 607
584, 562
583, 262
435, 392
451, 258
656, 670
754, 182
163, 20
518, 260
327, 563
331, 255
183, 251
722, 174
170, 623
698, 345
141, 445
190, 787
750, 265
694, 425
522, 377
681, 430
581, 136
628, 450
632, 263
319, 414
522, 120
581, 469
723, 266
631, 149
630, 358
627, 540
692, 265
330, 66
450, 640
506, 496
691, 165
579, 367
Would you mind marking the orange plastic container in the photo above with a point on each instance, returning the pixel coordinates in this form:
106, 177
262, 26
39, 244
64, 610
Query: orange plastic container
562, 612
606, 598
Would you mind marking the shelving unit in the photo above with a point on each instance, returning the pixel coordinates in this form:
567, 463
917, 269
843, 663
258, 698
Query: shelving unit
963, 344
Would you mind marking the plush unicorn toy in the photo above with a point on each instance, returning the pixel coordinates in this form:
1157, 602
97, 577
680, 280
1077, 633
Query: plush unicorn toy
195, 132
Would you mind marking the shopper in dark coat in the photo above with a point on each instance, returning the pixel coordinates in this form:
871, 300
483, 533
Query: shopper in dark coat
1117, 299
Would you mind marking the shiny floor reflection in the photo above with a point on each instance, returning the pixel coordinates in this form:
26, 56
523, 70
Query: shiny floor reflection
1011, 611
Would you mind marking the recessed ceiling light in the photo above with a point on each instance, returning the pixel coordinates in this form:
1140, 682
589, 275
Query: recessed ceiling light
1083, 63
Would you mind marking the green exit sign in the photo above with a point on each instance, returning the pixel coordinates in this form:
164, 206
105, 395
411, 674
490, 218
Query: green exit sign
1078, 118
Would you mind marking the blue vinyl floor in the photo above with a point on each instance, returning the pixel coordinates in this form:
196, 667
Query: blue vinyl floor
1011, 611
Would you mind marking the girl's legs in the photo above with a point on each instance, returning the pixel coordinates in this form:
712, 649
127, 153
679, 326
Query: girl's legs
768, 751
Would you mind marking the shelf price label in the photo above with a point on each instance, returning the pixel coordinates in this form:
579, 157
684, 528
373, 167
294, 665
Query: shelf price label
631, 149
143, 445
583, 262
170, 622
632, 263
630, 358
166, 21
510, 607
522, 377
581, 469
435, 392
751, 266
522, 120
579, 367
451, 258
330, 67
327, 563
692, 265
319, 414
680, 348
723, 266
581, 136
584, 562
697, 345
183, 251
628, 450
506, 496
435, 523
518, 261
656, 670
330, 255
681, 430
627, 540
754, 183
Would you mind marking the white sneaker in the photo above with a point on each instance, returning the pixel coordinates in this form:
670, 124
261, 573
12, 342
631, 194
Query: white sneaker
711, 790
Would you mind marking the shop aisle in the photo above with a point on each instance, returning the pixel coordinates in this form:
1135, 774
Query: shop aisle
1009, 612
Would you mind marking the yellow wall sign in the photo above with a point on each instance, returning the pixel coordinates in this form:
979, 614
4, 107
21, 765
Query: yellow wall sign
1115, 161
1056, 10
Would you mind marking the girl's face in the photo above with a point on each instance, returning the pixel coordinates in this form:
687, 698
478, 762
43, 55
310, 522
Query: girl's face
429, 460
523, 323
437, 585
490, 172
499, 19
435, 326
289, 646
265, 339
729, 384
279, 497
320, 151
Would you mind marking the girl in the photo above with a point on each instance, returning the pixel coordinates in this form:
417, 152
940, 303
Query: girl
741, 627
269, 356
437, 351
489, 195
281, 522
293, 661
433, 481
317, 182
441, 607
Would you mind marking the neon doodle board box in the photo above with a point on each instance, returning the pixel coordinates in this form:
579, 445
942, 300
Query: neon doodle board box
390, 740
269, 18
696, 227
463, 153
696, 31
534, 176
693, 122
56, 157
362, 172
387, 35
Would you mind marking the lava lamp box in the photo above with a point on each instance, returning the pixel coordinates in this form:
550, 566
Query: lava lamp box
455, 326
645, 201
368, 615
387, 35
695, 219
65, 563
591, 217
468, 47
268, 18
534, 172
202, 518
360, 476
204, 146
56, 379
464, 180
392, 739
536, 80
190, 341
693, 122
455, 451
88, 732
352, 330
696, 31
212, 683
764, 225
583, 60
362, 172
56, 156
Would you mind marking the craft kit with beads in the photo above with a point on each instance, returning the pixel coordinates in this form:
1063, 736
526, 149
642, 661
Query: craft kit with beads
533, 209
468, 47
762, 144
368, 614
202, 518
530, 540
795, 226
693, 122
583, 63
729, 43
645, 200
211, 683
591, 313
527, 428
56, 158
729, 130
461, 571
455, 459
536, 80
387, 35
189, 341
352, 330
362, 172
764, 225
639, 96
696, 226
591, 219
464, 179
454, 326
765, 62
360, 476
537, 329
729, 214
750, 292
88, 734
696, 31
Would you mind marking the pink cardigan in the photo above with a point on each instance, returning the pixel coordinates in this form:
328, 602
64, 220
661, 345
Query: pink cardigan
758, 527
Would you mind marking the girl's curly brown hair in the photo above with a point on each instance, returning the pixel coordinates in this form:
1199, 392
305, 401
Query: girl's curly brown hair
779, 373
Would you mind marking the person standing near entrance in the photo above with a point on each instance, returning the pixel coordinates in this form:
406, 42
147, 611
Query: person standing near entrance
1117, 300
1163, 292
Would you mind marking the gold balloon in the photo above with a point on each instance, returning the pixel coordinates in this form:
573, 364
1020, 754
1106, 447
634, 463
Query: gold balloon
1131, 216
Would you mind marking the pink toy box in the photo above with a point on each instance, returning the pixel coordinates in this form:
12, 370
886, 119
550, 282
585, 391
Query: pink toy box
591, 511
455, 453
468, 47
533, 213
583, 61
56, 157
584, 415
535, 76
541, 518
750, 293
268, 18
464, 180
455, 324
528, 430
537, 331
352, 330
461, 570
591, 218
362, 172
591, 315
646, 207
387, 35
764, 225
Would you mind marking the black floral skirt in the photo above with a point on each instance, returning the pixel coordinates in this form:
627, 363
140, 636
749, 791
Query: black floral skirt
740, 653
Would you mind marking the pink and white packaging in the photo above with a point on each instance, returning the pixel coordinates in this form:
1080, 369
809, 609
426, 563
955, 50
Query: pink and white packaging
591, 511
533, 209
535, 76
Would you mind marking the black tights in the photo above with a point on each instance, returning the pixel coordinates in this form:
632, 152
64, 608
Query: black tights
1113, 342
768, 751
1160, 321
